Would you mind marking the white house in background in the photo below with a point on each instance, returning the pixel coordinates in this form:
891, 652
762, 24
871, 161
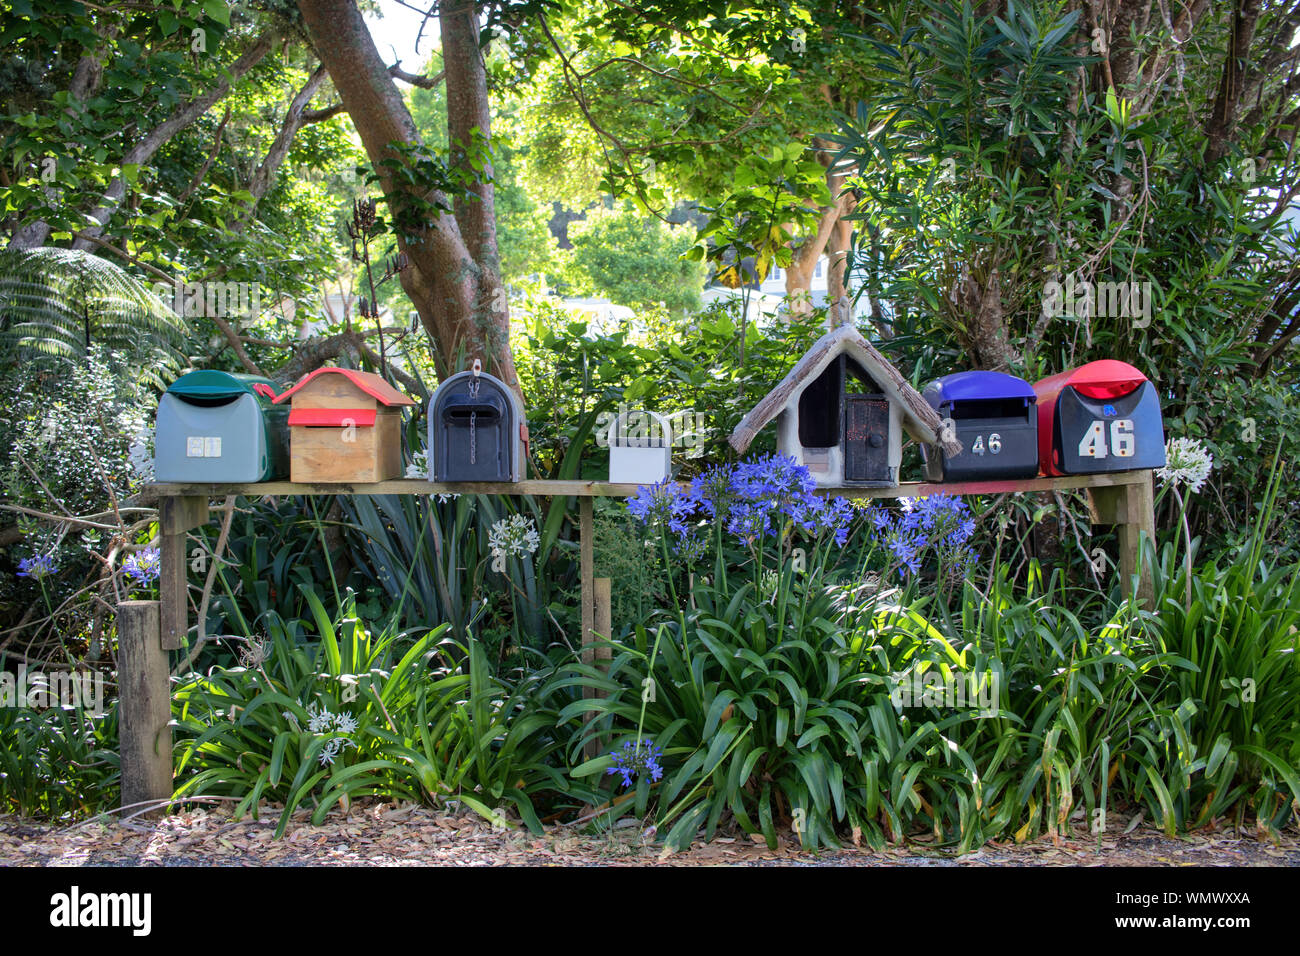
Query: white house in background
768, 297
602, 315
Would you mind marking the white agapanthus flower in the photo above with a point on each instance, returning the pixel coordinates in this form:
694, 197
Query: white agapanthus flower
419, 466
513, 536
1187, 463
321, 721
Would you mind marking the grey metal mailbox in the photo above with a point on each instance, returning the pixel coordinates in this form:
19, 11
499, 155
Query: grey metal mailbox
992, 414
220, 427
476, 429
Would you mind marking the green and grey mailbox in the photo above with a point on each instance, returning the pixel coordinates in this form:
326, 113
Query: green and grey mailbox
221, 427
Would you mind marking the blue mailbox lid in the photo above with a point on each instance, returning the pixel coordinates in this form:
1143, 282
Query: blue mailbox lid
977, 386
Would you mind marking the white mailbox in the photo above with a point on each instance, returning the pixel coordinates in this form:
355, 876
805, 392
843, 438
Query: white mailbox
640, 448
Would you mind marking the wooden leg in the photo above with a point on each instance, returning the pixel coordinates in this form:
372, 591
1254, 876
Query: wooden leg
144, 707
586, 567
1141, 522
176, 516
586, 561
1132, 508
599, 656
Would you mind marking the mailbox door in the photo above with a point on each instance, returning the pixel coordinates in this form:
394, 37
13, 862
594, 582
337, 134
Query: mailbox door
866, 438
993, 448
1122, 433
471, 443
211, 443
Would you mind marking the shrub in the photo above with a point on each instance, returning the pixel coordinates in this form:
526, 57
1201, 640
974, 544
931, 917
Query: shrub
362, 714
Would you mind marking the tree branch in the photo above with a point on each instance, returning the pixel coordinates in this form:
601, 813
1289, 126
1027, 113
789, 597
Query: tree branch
270, 165
182, 117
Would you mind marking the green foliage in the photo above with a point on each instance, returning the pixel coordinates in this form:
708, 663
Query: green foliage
774, 197
359, 714
1234, 740
691, 365
58, 764
982, 162
72, 441
797, 701
633, 261
186, 209
57, 304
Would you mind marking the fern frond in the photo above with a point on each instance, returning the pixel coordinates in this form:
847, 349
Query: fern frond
52, 300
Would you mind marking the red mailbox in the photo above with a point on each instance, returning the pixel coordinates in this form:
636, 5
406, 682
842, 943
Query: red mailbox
1099, 417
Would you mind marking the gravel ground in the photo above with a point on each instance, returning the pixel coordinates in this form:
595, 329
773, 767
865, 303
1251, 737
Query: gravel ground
383, 835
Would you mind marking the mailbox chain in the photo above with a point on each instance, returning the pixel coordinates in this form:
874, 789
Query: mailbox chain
473, 415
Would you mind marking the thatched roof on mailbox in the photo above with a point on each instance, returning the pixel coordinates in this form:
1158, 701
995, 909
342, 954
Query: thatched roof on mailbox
919, 419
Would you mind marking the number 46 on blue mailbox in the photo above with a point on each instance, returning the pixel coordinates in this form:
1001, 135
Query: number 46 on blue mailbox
1099, 417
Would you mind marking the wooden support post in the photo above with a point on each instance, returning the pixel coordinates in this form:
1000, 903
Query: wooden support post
586, 567
176, 516
144, 707
599, 656
604, 615
587, 571
1131, 507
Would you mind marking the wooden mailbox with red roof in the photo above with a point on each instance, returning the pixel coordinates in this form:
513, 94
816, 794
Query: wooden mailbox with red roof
344, 426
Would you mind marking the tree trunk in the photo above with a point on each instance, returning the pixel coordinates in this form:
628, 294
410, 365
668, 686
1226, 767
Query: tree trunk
981, 324
1222, 125
454, 281
270, 165
831, 237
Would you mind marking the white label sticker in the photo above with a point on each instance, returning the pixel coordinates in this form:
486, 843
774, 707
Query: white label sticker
193, 447
212, 447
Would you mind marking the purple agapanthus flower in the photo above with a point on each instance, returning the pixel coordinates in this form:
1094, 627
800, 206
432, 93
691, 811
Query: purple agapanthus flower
143, 567
907, 547
38, 567
662, 503
748, 521
636, 757
773, 478
941, 525
834, 519
711, 492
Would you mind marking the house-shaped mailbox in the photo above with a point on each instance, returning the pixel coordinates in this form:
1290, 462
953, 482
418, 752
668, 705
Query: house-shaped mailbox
220, 427
1099, 417
344, 426
640, 448
842, 411
994, 418
476, 430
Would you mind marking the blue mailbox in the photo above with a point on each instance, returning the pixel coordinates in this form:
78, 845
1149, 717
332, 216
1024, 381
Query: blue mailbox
992, 414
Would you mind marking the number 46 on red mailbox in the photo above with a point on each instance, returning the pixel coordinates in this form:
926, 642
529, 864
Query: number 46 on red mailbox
1099, 417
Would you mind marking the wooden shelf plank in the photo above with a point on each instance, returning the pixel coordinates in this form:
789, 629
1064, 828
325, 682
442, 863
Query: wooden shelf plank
599, 489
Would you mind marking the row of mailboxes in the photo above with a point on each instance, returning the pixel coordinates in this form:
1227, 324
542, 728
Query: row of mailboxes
1100, 417
343, 425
